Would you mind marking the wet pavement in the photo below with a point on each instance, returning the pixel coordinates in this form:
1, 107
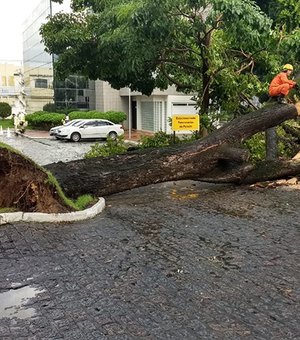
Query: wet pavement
48, 149
43, 149
178, 260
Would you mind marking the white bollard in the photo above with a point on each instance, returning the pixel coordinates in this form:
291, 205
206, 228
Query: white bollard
1, 130
8, 133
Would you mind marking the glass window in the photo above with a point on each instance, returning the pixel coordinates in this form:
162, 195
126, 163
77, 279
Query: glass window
70, 82
92, 123
77, 123
103, 123
11, 81
82, 82
41, 83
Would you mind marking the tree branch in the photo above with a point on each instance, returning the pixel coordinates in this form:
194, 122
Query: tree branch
172, 80
178, 63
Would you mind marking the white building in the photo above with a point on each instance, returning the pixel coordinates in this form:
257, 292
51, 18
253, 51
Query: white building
144, 113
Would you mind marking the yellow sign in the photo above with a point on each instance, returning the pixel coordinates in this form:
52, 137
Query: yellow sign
185, 122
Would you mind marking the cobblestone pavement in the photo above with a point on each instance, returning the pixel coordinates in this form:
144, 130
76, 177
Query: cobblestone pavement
47, 150
43, 149
180, 260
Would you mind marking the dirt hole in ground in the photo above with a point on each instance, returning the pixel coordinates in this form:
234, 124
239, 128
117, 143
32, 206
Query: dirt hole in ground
25, 187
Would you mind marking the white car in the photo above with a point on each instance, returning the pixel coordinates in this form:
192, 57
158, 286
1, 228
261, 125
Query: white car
53, 131
90, 129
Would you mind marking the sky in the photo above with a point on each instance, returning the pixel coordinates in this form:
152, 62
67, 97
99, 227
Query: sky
13, 14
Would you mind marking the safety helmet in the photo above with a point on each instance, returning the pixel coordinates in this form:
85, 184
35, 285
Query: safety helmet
288, 67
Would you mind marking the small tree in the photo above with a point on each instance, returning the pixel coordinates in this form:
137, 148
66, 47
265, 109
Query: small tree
5, 110
50, 107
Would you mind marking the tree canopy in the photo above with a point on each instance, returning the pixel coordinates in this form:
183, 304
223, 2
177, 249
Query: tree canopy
221, 51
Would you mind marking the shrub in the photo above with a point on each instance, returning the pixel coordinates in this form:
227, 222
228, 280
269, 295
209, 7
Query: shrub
67, 110
50, 107
79, 114
160, 139
116, 117
257, 146
5, 110
44, 120
286, 149
111, 147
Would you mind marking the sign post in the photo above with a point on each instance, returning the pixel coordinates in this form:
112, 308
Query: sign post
185, 123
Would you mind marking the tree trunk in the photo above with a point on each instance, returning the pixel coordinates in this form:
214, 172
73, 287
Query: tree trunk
271, 143
211, 158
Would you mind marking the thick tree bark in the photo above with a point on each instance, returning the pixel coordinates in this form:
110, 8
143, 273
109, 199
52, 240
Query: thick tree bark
295, 132
211, 158
248, 174
271, 143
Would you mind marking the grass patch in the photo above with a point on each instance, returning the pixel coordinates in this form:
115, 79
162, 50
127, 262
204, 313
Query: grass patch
84, 201
6, 123
52, 180
79, 204
7, 210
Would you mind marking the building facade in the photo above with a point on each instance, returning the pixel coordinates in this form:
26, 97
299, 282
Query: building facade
148, 113
41, 86
151, 113
10, 89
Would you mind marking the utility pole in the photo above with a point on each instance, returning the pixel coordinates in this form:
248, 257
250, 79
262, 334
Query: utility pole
52, 58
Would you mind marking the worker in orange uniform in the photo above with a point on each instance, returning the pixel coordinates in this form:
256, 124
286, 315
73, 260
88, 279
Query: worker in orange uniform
281, 85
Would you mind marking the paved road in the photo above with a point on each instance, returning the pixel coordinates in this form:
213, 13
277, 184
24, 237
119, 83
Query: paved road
180, 260
47, 150
177, 260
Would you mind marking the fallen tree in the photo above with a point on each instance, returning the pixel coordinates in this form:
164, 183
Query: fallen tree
215, 158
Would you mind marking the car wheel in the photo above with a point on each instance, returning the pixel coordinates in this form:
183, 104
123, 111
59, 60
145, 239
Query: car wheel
75, 137
113, 135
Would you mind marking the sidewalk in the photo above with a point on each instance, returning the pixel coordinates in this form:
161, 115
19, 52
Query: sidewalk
135, 134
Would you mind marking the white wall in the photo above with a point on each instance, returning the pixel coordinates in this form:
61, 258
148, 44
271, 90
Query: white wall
163, 109
180, 105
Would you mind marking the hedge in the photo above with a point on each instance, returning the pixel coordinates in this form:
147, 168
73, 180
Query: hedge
45, 120
116, 117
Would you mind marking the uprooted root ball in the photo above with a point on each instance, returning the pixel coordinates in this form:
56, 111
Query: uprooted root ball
25, 187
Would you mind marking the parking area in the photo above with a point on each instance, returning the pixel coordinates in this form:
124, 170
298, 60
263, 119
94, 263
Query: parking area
45, 150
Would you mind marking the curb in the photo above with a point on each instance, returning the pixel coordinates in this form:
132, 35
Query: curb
62, 217
35, 137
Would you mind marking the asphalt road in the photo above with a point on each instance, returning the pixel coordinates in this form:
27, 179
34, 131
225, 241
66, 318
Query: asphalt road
180, 260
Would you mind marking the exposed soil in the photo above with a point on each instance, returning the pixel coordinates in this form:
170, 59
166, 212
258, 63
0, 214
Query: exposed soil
25, 187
